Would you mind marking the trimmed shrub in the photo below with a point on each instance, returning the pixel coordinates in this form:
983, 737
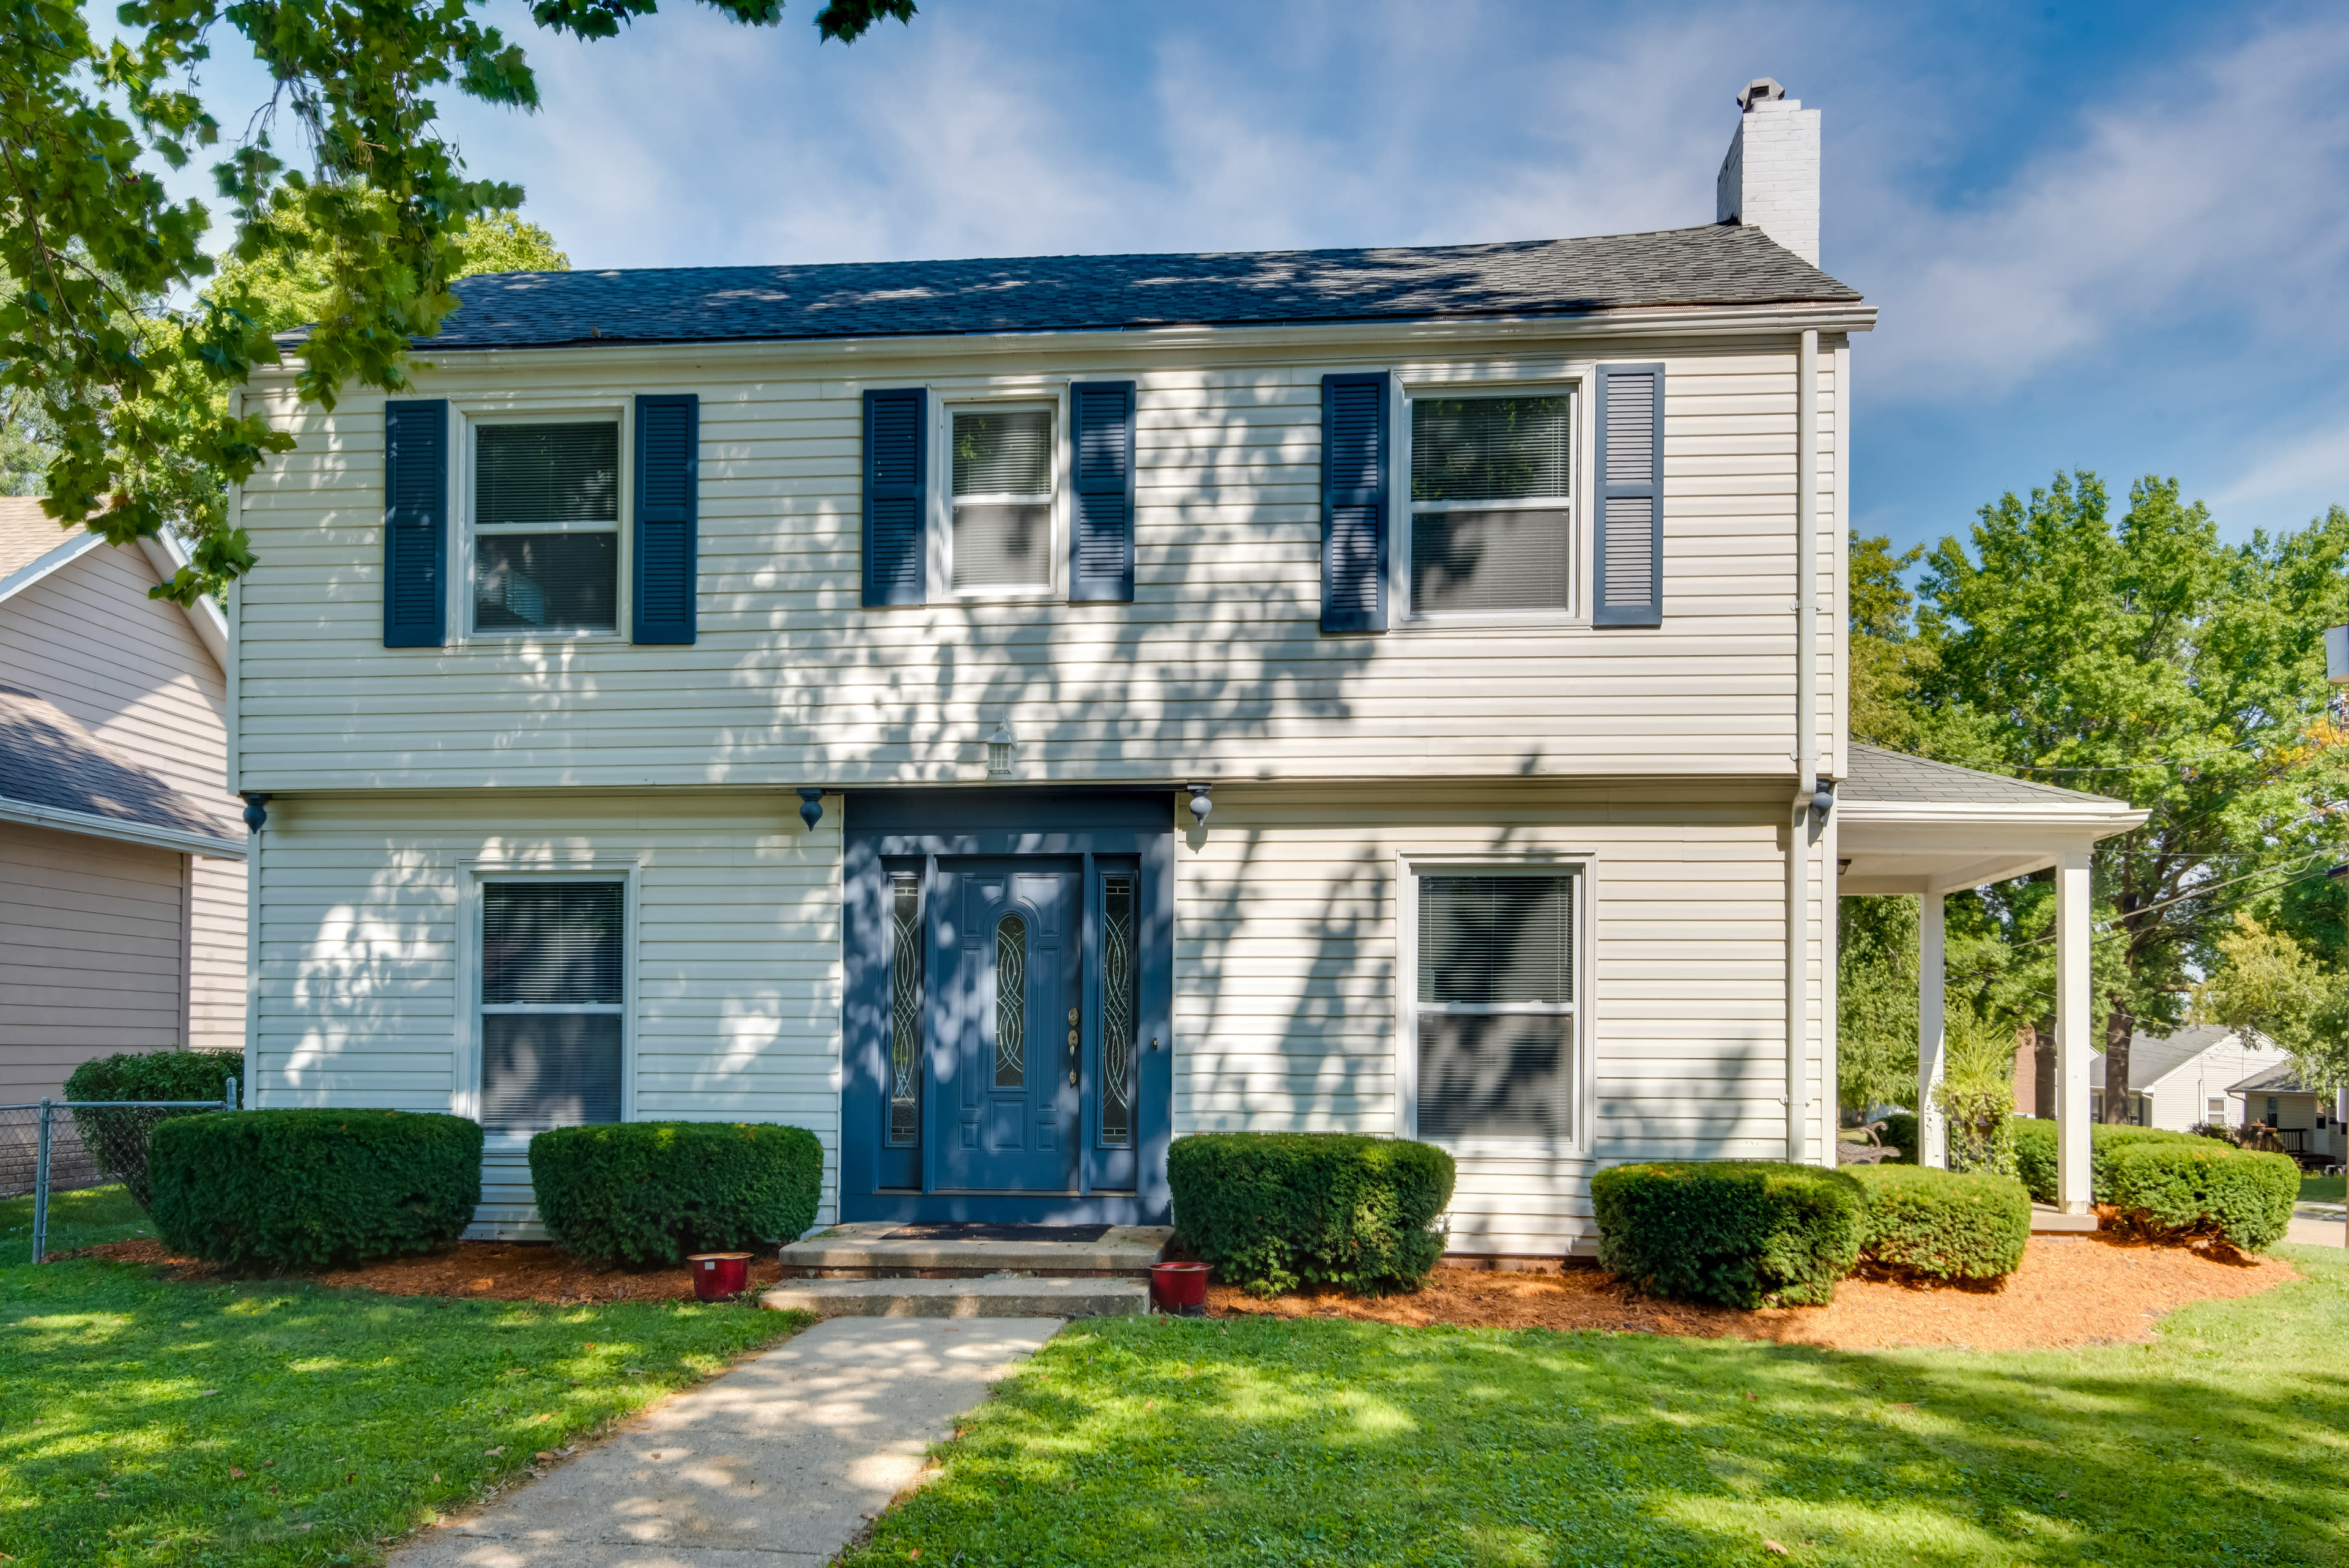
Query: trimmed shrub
1734, 1232
307, 1189
117, 1140
2035, 1153
2196, 1188
650, 1192
1270, 1211
1943, 1223
156, 1076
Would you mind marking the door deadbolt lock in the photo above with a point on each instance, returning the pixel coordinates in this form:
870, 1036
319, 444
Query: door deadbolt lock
1072, 1015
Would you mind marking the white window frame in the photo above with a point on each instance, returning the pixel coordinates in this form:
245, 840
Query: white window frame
465, 1097
1054, 401
1404, 509
1582, 868
471, 418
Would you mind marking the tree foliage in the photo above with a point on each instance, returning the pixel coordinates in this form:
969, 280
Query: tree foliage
2142, 658
125, 384
2266, 981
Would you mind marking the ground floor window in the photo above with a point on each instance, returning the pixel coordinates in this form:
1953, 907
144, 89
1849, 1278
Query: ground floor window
1493, 1013
552, 1006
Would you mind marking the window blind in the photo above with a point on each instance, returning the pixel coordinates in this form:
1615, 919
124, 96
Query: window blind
1490, 449
559, 582
546, 473
541, 1070
1496, 940
552, 943
1007, 454
999, 544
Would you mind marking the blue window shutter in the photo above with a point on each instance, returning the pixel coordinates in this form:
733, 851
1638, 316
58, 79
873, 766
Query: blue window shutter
1354, 501
669, 485
415, 522
1100, 531
1628, 586
896, 464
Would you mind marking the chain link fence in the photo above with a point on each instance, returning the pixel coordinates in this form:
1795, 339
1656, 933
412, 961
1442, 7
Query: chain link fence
62, 1145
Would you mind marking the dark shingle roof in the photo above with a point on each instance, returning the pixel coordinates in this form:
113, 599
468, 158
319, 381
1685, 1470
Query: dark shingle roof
1880, 775
2153, 1057
2278, 1080
1716, 264
47, 759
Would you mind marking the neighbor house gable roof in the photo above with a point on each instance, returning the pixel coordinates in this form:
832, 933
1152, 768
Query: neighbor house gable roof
2153, 1057
1718, 265
55, 774
34, 546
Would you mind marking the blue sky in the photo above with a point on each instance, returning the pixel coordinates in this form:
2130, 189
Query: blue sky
2106, 236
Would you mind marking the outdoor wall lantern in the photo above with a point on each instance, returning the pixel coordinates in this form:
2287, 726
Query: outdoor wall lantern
1200, 804
1001, 746
256, 810
811, 806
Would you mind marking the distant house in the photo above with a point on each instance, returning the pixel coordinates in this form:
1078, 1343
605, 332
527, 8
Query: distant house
121, 856
2178, 1080
2308, 1123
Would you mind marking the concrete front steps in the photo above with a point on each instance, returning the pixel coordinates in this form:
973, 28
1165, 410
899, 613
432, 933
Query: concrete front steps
865, 1271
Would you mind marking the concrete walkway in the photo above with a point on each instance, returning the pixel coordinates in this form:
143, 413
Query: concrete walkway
776, 1463
2316, 1226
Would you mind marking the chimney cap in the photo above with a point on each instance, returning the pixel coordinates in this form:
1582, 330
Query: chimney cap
1761, 89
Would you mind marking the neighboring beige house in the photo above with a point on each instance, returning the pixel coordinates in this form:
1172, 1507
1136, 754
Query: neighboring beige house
2308, 1123
2178, 1080
122, 889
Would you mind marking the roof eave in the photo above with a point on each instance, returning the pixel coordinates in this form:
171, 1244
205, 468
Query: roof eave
1640, 321
154, 835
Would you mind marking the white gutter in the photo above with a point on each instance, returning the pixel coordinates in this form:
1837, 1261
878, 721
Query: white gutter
114, 828
1806, 749
32, 571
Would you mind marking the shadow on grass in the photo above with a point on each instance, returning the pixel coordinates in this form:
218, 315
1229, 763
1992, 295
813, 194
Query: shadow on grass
1311, 1442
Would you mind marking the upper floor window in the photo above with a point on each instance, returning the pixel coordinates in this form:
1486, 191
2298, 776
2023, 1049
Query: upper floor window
546, 526
1001, 536
1491, 515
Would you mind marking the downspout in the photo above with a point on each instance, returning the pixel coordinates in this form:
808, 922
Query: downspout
1806, 750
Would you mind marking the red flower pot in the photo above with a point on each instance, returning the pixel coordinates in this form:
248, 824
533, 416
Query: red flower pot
716, 1275
1180, 1289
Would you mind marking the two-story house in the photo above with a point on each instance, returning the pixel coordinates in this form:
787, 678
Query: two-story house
1003, 714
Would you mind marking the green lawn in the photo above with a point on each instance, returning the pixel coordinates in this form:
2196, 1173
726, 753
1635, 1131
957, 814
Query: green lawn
126, 1401
1149, 1442
2321, 1188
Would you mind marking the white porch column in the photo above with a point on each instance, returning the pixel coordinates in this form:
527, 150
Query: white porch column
2074, 1028
1932, 1130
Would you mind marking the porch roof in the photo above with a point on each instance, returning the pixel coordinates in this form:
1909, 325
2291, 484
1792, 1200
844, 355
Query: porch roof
1909, 824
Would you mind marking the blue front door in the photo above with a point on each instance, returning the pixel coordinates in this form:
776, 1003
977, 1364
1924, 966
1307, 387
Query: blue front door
1004, 1024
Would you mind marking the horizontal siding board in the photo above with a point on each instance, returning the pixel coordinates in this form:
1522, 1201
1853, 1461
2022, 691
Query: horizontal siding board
1218, 655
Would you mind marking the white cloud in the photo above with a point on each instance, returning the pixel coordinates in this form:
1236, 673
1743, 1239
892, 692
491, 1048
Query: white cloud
2298, 477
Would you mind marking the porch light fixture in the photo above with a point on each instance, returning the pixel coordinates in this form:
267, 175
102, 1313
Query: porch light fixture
256, 810
811, 806
1200, 804
1001, 746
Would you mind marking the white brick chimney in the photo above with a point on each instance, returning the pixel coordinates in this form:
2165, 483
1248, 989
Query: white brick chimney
1770, 181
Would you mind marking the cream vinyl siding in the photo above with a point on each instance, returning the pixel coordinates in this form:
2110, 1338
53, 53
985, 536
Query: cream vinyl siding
131, 671
92, 934
1286, 960
1217, 670
736, 984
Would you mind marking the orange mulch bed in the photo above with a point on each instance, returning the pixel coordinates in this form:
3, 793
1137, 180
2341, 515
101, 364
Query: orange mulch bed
485, 1271
2070, 1291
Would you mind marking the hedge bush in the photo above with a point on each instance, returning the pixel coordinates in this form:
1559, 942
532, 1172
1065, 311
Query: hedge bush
2035, 1153
117, 1140
307, 1189
1944, 1224
651, 1192
1737, 1233
1270, 1211
2198, 1188
156, 1076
